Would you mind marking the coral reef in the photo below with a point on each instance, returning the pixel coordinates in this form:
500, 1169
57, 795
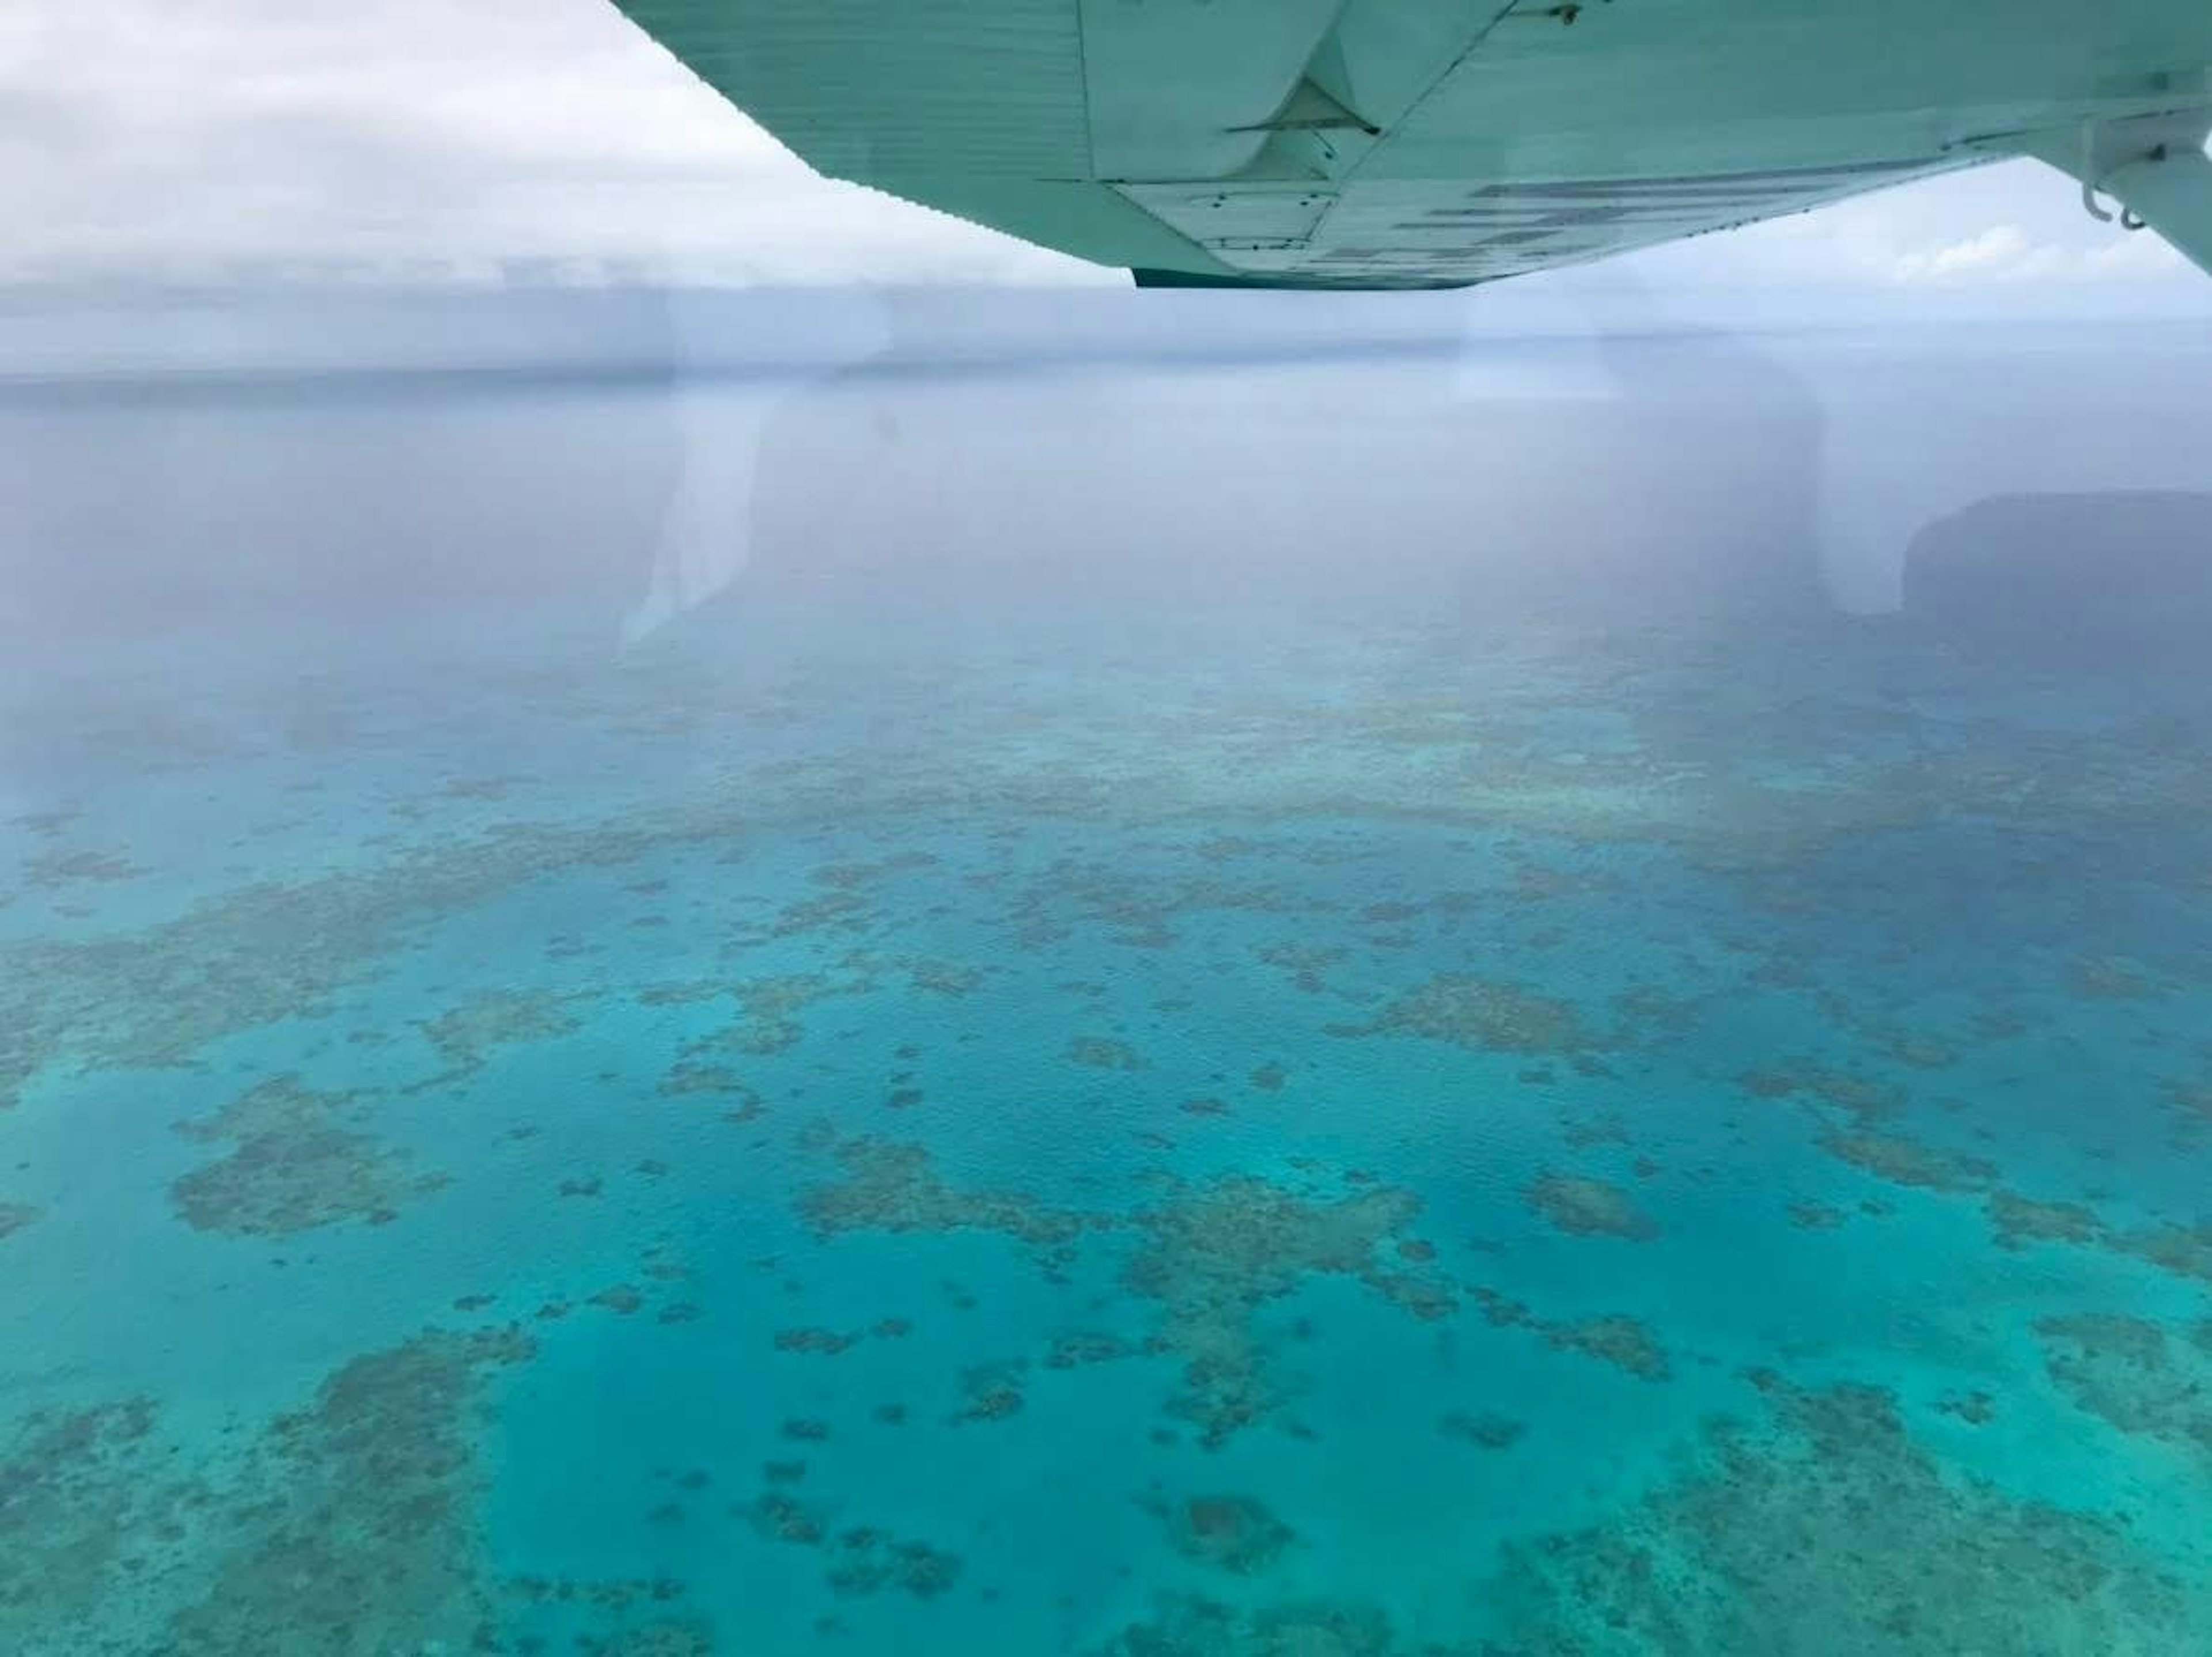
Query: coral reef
1238, 1534
1904, 1161
1626, 1343
1614, 1337
1485, 1430
1184, 1626
688, 1637
1768, 1544
857, 1560
1589, 1208
465, 1035
14, 1216
896, 1187
1485, 1014
2185, 1251
1103, 1052
1306, 964
2144, 1378
1816, 1217
1074, 1349
990, 1392
2018, 1221
346, 1526
768, 1009
1210, 1256
296, 1161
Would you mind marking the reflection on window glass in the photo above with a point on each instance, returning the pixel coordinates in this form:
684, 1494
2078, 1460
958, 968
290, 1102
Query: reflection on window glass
735, 919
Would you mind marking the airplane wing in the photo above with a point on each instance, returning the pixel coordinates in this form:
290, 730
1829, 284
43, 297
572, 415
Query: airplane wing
1420, 143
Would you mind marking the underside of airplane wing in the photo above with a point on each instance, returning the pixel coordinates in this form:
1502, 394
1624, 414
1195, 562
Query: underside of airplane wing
1420, 143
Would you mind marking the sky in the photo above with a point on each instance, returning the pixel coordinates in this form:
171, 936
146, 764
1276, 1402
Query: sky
413, 141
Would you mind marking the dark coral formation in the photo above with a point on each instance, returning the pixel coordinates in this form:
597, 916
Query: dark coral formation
156, 996
298, 1159
990, 1392
1103, 1052
857, 1560
1074, 1348
1614, 1337
348, 1525
2018, 1221
689, 1637
827, 1341
14, 1216
1238, 1534
1976, 1408
1626, 1343
1208, 1256
1590, 1208
1857, 1096
1184, 1626
1306, 964
2109, 978
466, 1035
768, 1009
1485, 1430
1212, 1255
2185, 1251
1829, 1529
51, 871
371, 1540
1483, 1013
1904, 1161
77, 1506
2144, 1378
896, 1187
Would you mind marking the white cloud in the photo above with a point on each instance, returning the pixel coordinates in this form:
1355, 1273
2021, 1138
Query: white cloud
1997, 248
2005, 252
139, 138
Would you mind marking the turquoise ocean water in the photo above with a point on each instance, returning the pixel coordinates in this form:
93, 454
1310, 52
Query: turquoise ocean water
864, 1128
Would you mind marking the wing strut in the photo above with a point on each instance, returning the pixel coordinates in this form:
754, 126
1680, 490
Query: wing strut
2153, 165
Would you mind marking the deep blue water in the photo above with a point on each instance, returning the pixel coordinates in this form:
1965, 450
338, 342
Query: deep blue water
871, 1120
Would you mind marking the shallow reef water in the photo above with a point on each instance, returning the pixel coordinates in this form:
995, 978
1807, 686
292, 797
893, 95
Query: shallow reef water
1135, 1135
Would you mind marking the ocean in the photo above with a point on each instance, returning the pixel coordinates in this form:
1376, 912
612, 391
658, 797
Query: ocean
1326, 1004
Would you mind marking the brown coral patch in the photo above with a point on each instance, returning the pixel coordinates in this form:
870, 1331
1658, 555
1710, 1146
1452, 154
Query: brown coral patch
466, 1035
2018, 1221
1485, 1430
896, 1187
1489, 1014
297, 1160
1625, 1342
2144, 1378
1186, 1625
1103, 1052
1614, 1337
1305, 964
1212, 1255
1238, 1534
1766, 1545
1589, 1208
1904, 1160
857, 1561
2185, 1251
348, 1525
